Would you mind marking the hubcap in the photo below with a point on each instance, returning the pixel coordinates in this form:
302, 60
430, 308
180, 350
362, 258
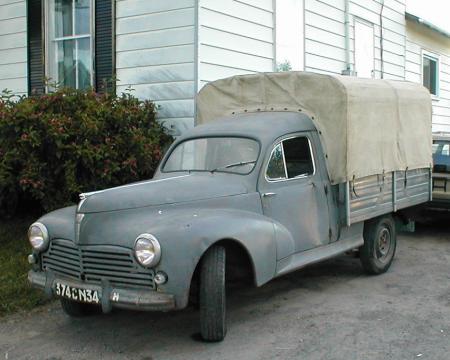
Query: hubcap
383, 244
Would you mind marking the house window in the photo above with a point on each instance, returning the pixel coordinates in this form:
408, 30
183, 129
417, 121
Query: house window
289, 35
364, 49
430, 73
69, 43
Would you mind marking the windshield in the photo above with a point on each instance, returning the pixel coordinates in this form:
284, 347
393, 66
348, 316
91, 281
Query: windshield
441, 156
221, 154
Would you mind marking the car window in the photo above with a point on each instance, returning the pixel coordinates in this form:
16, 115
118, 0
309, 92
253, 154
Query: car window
441, 156
297, 154
215, 154
275, 167
290, 159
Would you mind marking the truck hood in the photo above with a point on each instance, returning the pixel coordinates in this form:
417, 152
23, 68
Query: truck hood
178, 189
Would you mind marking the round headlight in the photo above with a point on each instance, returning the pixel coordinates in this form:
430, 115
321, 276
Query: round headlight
147, 250
38, 236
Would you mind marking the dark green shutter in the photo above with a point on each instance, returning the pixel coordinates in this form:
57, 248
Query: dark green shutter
104, 45
35, 40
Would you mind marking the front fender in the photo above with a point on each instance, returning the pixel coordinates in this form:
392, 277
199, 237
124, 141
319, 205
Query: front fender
190, 235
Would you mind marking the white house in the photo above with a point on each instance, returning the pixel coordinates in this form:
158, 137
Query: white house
166, 50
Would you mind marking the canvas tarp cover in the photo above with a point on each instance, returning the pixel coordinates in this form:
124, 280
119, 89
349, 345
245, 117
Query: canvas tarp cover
366, 126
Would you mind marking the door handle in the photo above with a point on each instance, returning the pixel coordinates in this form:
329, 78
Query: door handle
268, 194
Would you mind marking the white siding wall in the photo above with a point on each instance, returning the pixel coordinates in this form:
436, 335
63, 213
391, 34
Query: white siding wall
235, 37
325, 39
13, 46
155, 56
419, 39
441, 108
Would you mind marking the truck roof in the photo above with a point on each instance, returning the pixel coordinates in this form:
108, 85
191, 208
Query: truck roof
263, 126
366, 126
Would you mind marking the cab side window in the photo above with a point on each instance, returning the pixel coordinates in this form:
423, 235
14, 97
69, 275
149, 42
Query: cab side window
297, 154
290, 159
275, 168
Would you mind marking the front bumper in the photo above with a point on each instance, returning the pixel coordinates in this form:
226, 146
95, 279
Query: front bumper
110, 296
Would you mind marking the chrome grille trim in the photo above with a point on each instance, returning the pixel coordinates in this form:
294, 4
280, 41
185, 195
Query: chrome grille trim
94, 263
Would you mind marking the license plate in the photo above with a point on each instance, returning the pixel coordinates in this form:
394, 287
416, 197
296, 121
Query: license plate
77, 294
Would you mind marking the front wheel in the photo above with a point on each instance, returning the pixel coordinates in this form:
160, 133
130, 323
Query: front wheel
380, 241
212, 295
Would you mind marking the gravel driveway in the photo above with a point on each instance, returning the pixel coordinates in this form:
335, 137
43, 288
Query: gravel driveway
328, 311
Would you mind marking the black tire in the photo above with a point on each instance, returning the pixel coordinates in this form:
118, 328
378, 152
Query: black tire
77, 309
380, 242
212, 295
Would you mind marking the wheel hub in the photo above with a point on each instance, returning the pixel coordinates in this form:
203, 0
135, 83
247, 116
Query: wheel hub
383, 244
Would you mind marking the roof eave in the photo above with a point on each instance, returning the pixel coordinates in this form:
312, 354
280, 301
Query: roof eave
427, 24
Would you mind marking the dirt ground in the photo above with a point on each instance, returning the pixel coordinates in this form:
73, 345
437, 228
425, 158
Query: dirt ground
329, 311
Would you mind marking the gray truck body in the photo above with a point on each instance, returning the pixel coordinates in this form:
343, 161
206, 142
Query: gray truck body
280, 226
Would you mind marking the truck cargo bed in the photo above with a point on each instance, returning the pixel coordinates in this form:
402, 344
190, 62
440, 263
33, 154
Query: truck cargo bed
375, 195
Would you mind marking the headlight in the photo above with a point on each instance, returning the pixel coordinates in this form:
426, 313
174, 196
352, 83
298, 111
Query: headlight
147, 250
38, 236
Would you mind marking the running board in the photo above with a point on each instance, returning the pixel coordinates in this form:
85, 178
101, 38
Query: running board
308, 257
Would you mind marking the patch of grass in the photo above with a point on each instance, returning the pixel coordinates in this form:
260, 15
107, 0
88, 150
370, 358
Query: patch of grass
15, 291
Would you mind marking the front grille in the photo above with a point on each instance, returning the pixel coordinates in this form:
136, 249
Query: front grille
94, 263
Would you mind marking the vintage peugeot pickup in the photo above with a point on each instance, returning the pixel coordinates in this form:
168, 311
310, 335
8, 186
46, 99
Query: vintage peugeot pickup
282, 171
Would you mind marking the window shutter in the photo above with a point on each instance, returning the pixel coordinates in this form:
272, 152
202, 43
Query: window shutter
36, 83
104, 45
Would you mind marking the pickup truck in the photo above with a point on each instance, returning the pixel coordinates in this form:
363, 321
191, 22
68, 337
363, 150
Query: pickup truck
282, 171
441, 173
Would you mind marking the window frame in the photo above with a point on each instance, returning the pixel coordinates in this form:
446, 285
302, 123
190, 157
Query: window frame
49, 38
434, 57
274, 146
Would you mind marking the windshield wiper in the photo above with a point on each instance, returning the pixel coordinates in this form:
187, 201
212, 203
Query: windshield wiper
242, 163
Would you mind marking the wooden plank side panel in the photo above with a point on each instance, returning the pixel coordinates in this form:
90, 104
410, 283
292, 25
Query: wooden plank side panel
12, 9
224, 22
233, 59
235, 38
211, 72
235, 42
13, 56
155, 54
13, 41
170, 91
156, 39
13, 46
413, 72
157, 74
240, 10
155, 21
17, 86
130, 8
11, 26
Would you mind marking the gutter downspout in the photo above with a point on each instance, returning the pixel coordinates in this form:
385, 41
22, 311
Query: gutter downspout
348, 65
381, 40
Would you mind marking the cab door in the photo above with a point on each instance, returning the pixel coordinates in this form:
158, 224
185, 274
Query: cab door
292, 192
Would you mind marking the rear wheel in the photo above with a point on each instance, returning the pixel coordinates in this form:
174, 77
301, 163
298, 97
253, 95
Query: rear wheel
212, 295
380, 241
77, 309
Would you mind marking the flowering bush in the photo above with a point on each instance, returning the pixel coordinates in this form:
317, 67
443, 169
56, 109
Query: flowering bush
55, 146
